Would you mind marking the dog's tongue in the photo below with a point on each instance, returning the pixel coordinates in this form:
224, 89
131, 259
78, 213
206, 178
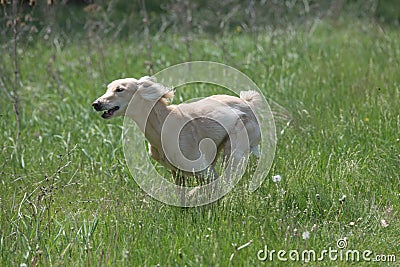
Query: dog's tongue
107, 114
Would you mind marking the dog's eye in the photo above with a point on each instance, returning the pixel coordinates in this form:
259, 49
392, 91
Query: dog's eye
119, 89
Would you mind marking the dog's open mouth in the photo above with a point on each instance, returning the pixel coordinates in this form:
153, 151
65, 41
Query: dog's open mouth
108, 114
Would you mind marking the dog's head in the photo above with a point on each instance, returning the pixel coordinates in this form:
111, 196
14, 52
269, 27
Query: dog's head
120, 92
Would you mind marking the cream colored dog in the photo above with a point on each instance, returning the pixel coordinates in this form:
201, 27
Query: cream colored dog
175, 132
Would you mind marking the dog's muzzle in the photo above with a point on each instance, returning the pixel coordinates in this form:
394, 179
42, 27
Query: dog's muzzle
108, 113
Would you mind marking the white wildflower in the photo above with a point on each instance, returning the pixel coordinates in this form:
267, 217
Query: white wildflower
306, 235
276, 178
384, 223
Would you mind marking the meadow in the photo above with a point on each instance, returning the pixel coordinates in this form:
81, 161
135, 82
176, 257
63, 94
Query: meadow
67, 197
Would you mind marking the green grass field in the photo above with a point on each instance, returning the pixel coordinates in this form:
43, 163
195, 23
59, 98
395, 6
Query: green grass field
67, 197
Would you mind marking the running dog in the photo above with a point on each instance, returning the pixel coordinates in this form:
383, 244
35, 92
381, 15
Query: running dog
225, 120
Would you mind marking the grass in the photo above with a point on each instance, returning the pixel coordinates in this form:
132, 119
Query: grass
67, 198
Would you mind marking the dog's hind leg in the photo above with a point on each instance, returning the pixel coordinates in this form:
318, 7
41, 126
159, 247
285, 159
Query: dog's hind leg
255, 151
236, 151
211, 174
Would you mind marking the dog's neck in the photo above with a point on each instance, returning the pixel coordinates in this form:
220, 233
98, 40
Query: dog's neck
151, 124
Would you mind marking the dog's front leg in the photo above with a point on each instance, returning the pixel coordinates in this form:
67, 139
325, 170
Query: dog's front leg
179, 178
208, 175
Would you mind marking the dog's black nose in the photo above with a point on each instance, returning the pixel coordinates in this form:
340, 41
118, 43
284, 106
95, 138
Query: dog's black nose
96, 105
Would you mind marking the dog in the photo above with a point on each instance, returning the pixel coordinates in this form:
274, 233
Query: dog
179, 129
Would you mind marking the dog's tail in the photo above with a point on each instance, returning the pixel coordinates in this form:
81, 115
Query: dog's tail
252, 97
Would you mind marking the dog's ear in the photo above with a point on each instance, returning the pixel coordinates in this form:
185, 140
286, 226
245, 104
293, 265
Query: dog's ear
147, 78
152, 91
146, 81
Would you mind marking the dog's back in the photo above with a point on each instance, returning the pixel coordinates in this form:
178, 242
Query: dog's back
216, 117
